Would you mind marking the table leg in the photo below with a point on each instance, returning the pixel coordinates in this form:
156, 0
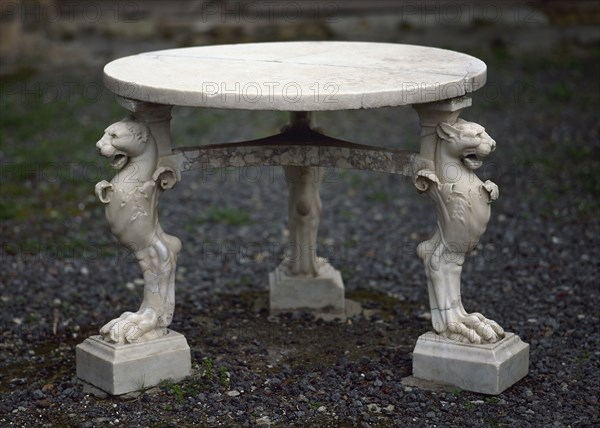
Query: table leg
304, 211
136, 144
456, 148
466, 350
137, 350
305, 281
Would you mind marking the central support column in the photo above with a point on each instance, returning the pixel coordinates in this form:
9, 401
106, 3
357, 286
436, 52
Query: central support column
304, 281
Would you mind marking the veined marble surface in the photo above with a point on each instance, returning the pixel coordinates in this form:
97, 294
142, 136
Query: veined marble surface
296, 76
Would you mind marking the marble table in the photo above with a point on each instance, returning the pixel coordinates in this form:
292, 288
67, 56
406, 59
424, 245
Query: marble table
302, 78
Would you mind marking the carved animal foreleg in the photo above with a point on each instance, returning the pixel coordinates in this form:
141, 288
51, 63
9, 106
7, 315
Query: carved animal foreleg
443, 267
425, 251
448, 315
304, 210
158, 263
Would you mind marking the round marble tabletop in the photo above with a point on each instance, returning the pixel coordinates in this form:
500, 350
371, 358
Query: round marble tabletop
296, 76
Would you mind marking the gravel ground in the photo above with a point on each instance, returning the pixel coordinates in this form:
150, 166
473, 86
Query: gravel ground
535, 272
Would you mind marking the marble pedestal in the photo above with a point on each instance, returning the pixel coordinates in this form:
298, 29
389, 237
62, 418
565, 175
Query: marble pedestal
122, 368
322, 295
488, 368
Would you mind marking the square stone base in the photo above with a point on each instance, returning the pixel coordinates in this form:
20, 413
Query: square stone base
122, 368
488, 368
322, 295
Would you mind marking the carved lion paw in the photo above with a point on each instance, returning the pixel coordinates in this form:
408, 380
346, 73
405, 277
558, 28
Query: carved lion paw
132, 327
473, 328
492, 189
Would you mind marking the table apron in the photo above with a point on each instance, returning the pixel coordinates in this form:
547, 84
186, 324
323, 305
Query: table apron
392, 161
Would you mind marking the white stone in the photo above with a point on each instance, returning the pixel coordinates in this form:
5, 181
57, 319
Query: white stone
305, 281
463, 210
122, 368
487, 368
304, 212
131, 200
302, 77
296, 76
321, 295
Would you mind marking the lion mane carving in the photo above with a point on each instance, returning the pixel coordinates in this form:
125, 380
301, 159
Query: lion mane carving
463, 210
131, 199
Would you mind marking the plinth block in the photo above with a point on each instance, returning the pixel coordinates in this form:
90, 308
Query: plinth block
122, 368
320, 295
487, 368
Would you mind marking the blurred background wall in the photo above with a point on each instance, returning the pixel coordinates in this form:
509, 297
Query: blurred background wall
542, 56
40, 35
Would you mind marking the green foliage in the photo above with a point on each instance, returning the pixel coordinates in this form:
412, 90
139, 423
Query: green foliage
468, 405
456, 391
204, 378
209, 372
48, 162
178, 391
223, 376
492, 400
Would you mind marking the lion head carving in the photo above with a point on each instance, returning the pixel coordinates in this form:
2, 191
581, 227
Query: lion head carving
123, 140
466, 141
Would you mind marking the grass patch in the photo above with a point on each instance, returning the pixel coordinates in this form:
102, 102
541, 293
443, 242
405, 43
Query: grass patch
48, 162
209, 371
178, 392
456, 391
223, 378
205, 378
369, 297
